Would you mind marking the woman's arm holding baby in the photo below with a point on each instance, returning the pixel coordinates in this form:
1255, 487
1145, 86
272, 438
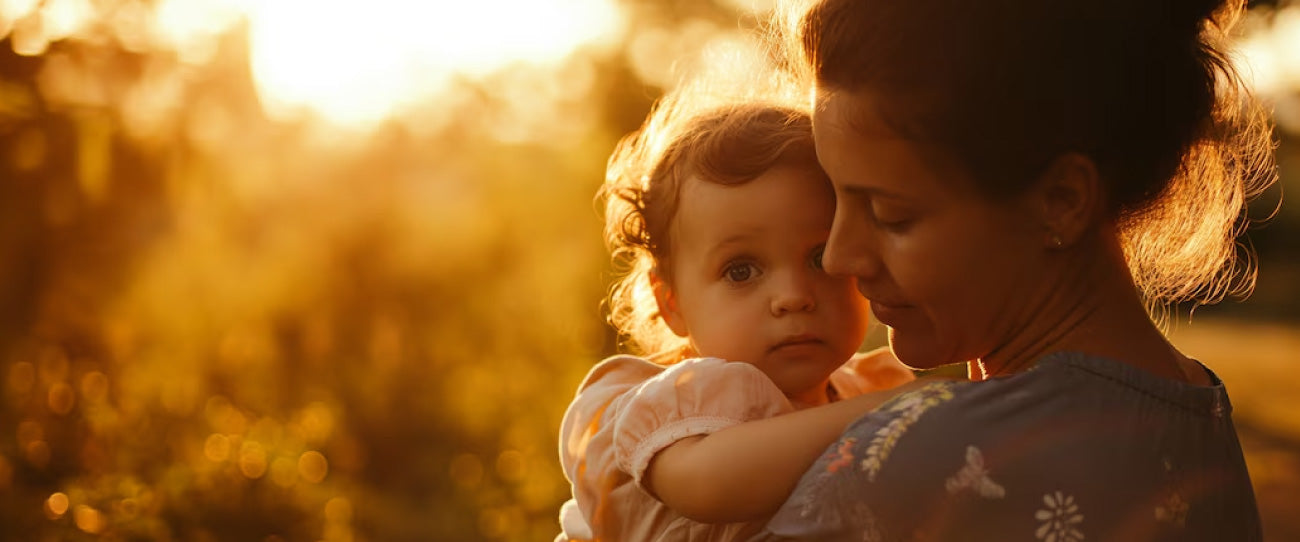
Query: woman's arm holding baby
745, 472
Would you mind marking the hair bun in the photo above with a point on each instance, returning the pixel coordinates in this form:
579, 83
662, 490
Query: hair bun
1191, 15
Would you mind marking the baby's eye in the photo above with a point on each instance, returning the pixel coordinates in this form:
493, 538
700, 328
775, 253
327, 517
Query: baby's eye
816, 258
740, 272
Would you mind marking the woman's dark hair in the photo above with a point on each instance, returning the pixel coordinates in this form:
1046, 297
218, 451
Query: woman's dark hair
1142, 87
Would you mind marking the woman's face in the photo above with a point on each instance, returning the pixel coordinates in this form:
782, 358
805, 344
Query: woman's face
953, 273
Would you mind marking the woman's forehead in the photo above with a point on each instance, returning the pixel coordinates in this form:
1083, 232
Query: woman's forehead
879, 114
858, 148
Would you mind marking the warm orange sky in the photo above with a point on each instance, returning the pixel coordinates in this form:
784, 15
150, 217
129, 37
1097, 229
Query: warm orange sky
355, 63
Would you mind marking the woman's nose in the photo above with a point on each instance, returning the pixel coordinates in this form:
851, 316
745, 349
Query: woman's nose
794, 293
850, 250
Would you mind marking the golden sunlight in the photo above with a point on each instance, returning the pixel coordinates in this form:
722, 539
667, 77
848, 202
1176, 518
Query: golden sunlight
356, 63
1271, 51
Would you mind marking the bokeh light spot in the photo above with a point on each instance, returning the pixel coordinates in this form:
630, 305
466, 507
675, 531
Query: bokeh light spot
338, 510
216, 448
224, 417
128, 508
511, 465
56, 505
88, 519
94, 387
22, 376
312, 466
61, 398
317, 422
252, 459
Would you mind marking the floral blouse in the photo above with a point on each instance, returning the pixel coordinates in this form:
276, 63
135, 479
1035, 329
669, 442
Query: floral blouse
1079, 448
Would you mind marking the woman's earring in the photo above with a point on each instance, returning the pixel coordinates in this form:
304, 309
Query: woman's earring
1056, 241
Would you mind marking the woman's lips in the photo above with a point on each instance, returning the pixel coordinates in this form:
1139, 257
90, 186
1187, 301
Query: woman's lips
888, 313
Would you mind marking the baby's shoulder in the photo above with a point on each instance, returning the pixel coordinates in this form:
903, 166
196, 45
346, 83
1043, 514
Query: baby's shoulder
634, 419
620, 370
696, 386
627, 370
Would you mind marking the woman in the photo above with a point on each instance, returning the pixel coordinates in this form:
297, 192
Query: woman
1018, 182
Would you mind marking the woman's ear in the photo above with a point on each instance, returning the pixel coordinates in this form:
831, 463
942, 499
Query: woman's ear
667, 301
1069, 195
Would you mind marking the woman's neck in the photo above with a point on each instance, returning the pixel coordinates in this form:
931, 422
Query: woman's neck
1092, 307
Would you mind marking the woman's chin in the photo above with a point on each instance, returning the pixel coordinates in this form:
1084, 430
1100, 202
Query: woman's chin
919, 353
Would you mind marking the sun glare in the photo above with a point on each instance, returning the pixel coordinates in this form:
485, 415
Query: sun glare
358, 62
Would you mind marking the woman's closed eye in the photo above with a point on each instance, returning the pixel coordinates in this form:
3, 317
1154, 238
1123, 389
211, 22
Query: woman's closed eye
885, 215
890, 220
740, 272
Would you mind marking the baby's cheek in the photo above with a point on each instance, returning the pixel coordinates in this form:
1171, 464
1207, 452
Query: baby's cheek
732, 341
858, 309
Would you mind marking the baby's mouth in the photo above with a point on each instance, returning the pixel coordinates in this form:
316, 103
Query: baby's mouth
796, 340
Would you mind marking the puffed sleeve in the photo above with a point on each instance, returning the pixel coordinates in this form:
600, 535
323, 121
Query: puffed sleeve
870, 371
693, 397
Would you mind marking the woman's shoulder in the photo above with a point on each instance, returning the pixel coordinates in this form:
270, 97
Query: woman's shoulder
1064, 386
1076, 417
1076, 435
1063, 383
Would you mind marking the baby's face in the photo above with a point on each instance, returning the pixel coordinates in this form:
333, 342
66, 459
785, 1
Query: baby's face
748, 285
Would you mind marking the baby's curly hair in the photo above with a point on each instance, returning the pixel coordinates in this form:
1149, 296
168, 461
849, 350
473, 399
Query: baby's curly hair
728, 143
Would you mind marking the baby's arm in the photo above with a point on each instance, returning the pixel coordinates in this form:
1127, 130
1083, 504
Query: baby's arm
745, 472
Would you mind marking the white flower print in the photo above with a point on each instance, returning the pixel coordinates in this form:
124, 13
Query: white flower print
1060, 520
910, 407
974, 476
1173, 510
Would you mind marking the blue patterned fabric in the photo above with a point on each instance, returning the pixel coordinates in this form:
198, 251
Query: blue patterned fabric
1078, 448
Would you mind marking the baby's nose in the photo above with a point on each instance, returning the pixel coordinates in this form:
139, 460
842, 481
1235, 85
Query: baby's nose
795, 294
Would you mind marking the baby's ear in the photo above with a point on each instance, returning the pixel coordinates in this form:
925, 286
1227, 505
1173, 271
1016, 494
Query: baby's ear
667, 301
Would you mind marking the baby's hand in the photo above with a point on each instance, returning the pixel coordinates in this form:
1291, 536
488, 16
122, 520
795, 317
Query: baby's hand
879, 369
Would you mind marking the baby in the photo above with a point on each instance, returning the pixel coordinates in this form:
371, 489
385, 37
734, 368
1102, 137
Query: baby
719, 218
